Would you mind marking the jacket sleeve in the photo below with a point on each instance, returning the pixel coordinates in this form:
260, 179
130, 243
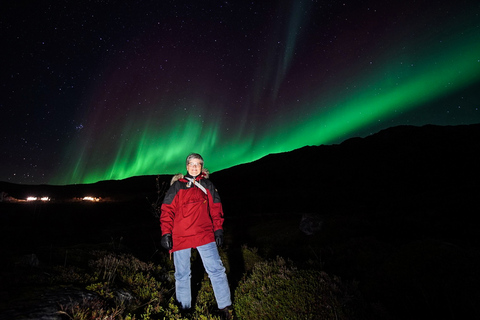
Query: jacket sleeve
215, 205
168, 209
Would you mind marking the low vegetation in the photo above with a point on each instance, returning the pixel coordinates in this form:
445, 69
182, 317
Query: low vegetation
104, 262
117, 285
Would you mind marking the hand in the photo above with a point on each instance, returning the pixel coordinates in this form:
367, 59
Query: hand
166, 241
219, 237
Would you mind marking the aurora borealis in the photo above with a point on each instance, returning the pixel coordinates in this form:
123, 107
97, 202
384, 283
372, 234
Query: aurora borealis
98, 90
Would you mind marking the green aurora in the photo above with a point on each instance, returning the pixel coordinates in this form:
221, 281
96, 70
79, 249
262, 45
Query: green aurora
149, 143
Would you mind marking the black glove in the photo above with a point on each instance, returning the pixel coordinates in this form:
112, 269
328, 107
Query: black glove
166, 241
219, 237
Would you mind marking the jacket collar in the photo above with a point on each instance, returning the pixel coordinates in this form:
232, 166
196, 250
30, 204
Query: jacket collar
180, 177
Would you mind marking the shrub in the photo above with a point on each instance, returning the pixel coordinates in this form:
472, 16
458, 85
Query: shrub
123, 283
250, 258
90, 309
278, 290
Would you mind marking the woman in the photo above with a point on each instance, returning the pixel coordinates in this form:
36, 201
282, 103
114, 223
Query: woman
192, 217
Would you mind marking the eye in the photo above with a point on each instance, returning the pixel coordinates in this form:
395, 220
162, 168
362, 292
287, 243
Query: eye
194, 164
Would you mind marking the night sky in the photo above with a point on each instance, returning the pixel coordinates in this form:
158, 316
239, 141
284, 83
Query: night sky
97, 90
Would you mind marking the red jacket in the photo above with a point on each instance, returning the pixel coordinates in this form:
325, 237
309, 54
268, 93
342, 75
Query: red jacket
191, 215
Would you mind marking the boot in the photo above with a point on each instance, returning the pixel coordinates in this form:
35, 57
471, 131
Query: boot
226, 313
186, 313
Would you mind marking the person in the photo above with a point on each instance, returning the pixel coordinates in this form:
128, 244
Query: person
192, 217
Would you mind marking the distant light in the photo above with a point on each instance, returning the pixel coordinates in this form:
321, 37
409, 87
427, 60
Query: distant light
93, 199
45, 198
32, 199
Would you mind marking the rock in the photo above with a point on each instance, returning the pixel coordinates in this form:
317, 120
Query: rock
310, 224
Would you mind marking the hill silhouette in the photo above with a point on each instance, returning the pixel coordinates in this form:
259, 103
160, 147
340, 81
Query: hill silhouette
406, 167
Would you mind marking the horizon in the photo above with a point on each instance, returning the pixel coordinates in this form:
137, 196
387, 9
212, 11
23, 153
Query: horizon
213, 171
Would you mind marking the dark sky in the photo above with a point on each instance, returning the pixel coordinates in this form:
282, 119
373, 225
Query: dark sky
95, 90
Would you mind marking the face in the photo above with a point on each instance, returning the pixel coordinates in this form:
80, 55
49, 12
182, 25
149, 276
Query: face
194, 167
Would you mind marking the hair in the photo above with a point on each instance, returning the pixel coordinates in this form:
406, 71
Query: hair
194, 156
